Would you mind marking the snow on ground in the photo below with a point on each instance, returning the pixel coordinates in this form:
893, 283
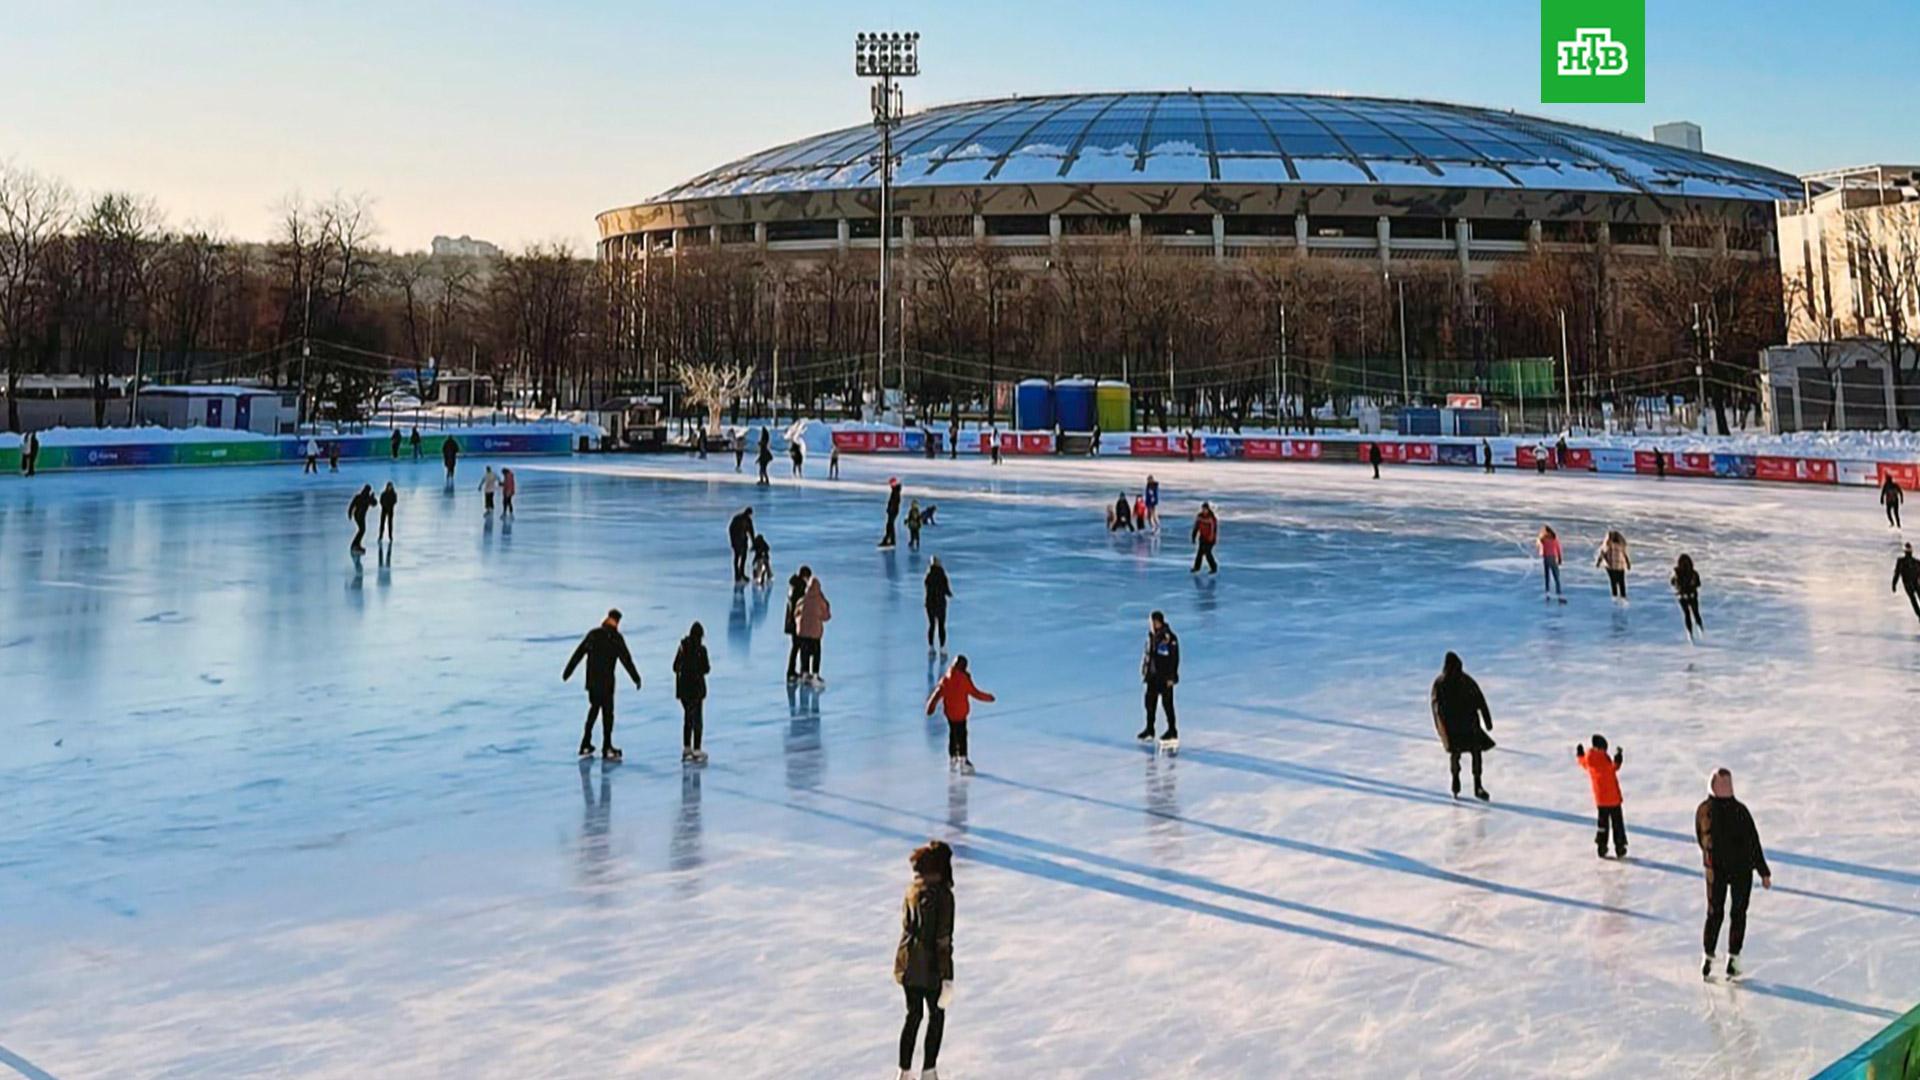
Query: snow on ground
264, 810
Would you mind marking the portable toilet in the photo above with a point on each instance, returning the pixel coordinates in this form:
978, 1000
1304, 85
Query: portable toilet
1073, 404
1033, 405
1113, 405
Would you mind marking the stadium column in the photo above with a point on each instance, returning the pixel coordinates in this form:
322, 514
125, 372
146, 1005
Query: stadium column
1384, 227
760, 235
1219, 237
1666, 240
1053, 232
1463, 244
1300, 234
1133, 227
843, 233
979, 228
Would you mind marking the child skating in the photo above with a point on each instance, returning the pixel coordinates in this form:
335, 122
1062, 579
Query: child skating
1603, 773
762, 561
914, 521
955, 695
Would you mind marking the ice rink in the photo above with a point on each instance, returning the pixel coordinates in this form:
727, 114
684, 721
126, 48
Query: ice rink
264, 811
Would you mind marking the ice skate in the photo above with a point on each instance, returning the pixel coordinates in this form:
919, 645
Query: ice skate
611, 753
1170, 743
966, 767
1481, 794
929, 1074
1146, 735
586, 749
1706, 969
1733, 967
686, 755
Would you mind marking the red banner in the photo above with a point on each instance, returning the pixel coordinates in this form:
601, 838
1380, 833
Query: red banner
1034, 444
1579, 459
886, 440
1301, 448
1419, 453
1529, 457
1148, 446
1262, 449
1907, 476
1795, 470
854, 442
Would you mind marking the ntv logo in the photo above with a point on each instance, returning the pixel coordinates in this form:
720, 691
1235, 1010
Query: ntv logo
1593, 50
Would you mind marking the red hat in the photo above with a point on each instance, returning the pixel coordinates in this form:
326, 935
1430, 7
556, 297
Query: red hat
894, 481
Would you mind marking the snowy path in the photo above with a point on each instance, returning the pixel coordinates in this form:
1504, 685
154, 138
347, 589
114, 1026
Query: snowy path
262, 811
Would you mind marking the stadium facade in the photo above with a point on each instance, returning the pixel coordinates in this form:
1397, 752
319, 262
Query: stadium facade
1226, 176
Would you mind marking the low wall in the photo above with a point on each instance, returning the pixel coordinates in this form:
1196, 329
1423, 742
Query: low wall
279, 450
1400, 450
1894, 1054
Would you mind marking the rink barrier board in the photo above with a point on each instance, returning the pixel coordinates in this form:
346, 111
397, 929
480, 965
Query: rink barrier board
1894, 1054
277, 451
1458, 453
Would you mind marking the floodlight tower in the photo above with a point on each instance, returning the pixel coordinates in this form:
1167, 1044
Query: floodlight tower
885, 57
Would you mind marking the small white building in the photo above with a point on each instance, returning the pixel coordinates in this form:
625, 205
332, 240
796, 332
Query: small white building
241, 408
1845, 385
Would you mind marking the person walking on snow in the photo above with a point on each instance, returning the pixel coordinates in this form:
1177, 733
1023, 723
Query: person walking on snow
810, 625
1603, 773
1730, 849
389, 498
489, 483
923, 961
739, 441
1206, 533
1160, 671
1462, 720
796, 591
1686, 589
1374, 458
740, 537
313, 457
939, 591
1613, 555
893, 510
764, 458
690, 669
955, 694
1891, 497
602, 648
450, 455
357, 510
413, 440
508, 485
1906, 573
1548, 545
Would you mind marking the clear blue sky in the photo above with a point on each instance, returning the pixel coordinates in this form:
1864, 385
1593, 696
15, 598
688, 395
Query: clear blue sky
518, 121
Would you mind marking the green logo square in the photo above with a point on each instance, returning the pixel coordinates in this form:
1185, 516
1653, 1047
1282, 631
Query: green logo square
1593, 50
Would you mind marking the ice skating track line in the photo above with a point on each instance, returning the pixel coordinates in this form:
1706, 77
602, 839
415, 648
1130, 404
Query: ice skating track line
22, 1066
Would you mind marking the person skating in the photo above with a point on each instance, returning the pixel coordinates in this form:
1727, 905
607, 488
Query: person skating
1140, 512
508, 485
810, 625
1093, 445
1603, 774
928, 442
1462, 720
602, 649
357, 510
30, 453
1731, 852
333, 455
1548, 545
1659, 464
450, 455
1540, 457
993, 445
413, 440
1374, 458
798, 457
389, 498
1906, 574
1160, 671
954, 694
923, 961
393, 444
1486, 456
489, 484
700, 445
914, 521
1120, 515
1190, 444
738, 441
1613, 555
313, 457
764, 458
893, 511
833, 463
953, 440
1153, 502
740, 536
1891, 497
1205, 534
762, 561
939, 591
690, 669
796, 591
1686, 589
1560, 452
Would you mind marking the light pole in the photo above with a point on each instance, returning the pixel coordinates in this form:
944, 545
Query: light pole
886, 57
1566, 373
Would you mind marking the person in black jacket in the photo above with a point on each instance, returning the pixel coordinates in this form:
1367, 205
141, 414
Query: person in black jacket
796, 588
1686, 588
1730, 849
740, 535
1891, 497
893, 510
690, 669
939, 589
413, 440
393, 444
1486, 455
764, 458
389, 498
357, 510
1160, 670
1906, 572
450, 455
602, 648
1462, 720
1374, 458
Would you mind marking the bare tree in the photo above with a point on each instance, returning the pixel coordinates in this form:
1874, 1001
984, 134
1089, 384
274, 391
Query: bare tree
34, 211
713, 387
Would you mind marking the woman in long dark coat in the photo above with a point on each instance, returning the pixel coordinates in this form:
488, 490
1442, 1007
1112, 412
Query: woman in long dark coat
923, 961
1462, 720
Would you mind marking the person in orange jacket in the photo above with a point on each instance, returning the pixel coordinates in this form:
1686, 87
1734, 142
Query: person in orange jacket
1603, 773
955, 695
1206, 533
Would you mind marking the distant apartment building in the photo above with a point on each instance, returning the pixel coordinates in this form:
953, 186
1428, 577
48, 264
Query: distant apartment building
1850, 255
465, 247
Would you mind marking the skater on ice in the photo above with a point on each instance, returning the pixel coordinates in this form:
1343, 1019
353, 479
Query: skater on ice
798, 456
993, 445
393, 443
1686, 589
449, 456
1613, 555
939, 591
810, 625
1374, 458
923, 961
1120, 515
602, 649
796, 591
1205, 533
357, 510
389, 499
1730, 849
413, 440
762, 561
764, 458
690, 669
833, 463
893, 511
740, 537
1906, 574
313, 457
914, 521
489, 483
1603, 775
30, 453
1153, 502
954, 695
738, 440
508, 485
333, 455
1548, 545
1462, 720
1486, 456
1160, 671
1891, 497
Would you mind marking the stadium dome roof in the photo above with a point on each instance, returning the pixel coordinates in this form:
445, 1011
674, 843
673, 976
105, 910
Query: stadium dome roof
1209, 137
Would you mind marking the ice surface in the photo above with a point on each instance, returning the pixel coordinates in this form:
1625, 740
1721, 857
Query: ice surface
264, 811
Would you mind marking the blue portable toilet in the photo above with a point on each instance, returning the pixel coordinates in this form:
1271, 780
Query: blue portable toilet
1073, 404
1033, 405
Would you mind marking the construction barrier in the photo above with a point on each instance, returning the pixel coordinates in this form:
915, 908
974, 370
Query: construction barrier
1894, 1054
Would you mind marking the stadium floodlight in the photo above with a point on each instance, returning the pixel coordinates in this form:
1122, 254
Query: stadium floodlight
886, 56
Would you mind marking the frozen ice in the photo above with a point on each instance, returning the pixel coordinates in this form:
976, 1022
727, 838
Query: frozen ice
266, 810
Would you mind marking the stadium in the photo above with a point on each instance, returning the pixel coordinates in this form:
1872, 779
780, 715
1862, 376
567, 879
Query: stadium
1226, 176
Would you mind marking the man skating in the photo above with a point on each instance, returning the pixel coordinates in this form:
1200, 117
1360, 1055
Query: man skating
1160, 670
313, 457
893, 511
602, 648
1374, 458
1906, 574
450, 455
1891, 497
357, 510
389, 498
1486, 456
740, 536
413, 440
1462, 720
393, 444
1205, 533
955, 695
489, 485
939, 591
30, 454
1730, 849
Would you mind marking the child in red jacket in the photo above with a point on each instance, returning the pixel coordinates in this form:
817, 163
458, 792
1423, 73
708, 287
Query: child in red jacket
1603, 773
956, 694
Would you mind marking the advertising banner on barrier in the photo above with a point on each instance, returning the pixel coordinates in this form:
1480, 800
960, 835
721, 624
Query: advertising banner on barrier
1734, 466
1032, 443
1905, 474
853, 442
1458, 454
886, 440
1579, 459
1609, 460
1418, 453
1860, 473
1530, 457
1148, 446
1796, 470
1219, 446
1261, 449
1301, 449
